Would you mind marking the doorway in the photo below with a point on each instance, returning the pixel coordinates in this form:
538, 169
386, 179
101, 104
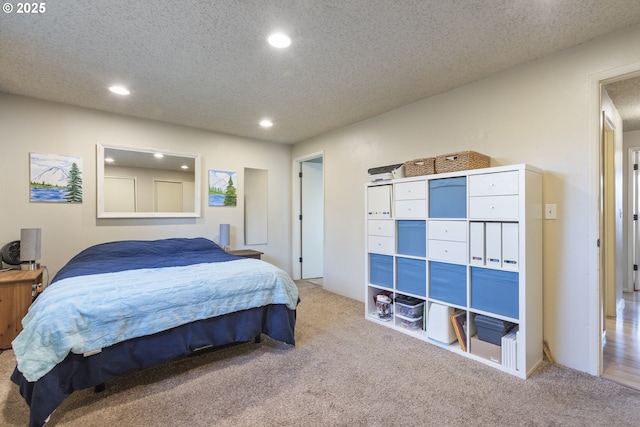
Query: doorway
308, 201
619, 360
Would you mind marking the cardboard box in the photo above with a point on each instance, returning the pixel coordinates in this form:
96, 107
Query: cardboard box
486, 350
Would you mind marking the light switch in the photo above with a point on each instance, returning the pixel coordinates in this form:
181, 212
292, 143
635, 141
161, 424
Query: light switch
550, 211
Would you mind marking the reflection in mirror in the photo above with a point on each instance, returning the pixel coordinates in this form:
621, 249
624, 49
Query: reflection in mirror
255, 206
146, 183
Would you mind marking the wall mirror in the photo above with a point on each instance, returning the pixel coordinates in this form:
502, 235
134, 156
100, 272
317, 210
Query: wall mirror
256, 206
147, 183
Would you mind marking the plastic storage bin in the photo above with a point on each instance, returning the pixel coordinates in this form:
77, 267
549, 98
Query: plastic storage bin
381, 270
492, 330
448, 282
495, 291
412, 238
409, 306
409, 323
448, 198
412, 276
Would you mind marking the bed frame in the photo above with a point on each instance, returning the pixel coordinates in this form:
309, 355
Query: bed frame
77, 371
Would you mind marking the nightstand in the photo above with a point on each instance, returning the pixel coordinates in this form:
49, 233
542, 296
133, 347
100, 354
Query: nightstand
15, 298
247, 253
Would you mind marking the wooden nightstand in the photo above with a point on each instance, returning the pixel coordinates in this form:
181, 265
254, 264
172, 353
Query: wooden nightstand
15, 299
247, 253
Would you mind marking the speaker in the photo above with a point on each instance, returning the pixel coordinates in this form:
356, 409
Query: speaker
30, 248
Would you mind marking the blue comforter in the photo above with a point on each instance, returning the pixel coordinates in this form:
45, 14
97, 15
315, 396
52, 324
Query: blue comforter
116, 291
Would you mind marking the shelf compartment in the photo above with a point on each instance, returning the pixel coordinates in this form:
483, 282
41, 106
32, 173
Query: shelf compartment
448, 197
412, 237
495, 291
381, 270
448, 282
412, 276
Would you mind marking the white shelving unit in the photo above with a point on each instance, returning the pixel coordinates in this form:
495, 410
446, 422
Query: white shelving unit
469, 243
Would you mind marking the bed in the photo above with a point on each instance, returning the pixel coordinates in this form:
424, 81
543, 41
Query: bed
134, 304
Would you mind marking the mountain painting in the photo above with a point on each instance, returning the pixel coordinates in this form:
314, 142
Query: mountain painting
55, 178
222, 188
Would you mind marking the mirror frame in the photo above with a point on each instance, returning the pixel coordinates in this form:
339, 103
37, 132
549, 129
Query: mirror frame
101, 213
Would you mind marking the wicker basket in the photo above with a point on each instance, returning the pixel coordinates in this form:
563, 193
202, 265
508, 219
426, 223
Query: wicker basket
463, 160
417, 167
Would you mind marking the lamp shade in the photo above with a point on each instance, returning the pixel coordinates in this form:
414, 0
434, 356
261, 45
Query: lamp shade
225, 237
30, 244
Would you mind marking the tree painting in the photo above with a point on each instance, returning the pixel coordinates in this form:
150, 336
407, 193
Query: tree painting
55, 178
222, 188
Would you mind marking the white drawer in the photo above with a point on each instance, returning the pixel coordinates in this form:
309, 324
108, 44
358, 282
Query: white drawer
448, 230
411, 190
381, 227
494, 184
494, 207
443, 250
382, 244
411, 209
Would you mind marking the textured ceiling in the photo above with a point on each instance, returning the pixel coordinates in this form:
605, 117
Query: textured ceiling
625, 95
207, 64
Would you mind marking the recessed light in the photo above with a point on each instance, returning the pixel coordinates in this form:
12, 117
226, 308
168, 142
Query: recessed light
279, 40
184, 167
266, 123
108, 160
158, 155
120, 90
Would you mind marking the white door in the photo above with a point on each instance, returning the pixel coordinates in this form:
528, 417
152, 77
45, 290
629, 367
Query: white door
312, 222
168, 196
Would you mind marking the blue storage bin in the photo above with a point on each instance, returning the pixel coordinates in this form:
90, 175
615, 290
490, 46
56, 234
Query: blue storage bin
412, 276
412, 238
448, 282
381, 270
448, 198
495, 291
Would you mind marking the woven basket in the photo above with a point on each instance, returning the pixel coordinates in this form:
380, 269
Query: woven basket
461, 161
417, 167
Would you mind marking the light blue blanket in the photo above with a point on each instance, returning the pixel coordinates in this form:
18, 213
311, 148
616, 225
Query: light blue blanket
85, 313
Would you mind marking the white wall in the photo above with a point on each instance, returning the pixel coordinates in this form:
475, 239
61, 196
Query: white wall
29, 125
542, 113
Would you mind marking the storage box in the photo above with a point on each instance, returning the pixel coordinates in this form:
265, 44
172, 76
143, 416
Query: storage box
495, 291
461, 161
412, 237
410, 307
410, 323
439, 326
486, 350
448, 282
448, 198
381, 270
412, 276
492, 330
417, 167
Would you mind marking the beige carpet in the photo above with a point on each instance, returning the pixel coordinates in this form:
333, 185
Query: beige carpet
344, 371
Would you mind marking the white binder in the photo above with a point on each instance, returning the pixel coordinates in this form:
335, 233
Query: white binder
476, 243
493, 244
510, 246
379, 201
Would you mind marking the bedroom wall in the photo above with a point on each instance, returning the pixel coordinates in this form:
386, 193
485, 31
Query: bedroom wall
30, 125
542, 113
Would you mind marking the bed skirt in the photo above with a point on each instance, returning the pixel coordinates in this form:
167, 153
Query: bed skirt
77, 372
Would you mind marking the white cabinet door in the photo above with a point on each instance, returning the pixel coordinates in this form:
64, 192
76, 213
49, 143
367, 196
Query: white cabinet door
493, 184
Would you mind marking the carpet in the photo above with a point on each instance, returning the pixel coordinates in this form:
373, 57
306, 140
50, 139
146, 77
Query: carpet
343, 371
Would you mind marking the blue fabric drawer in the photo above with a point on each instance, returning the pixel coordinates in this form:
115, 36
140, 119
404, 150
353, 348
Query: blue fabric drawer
412, 238
448, 282
381, 270
412, 276
495, 291
448, 198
